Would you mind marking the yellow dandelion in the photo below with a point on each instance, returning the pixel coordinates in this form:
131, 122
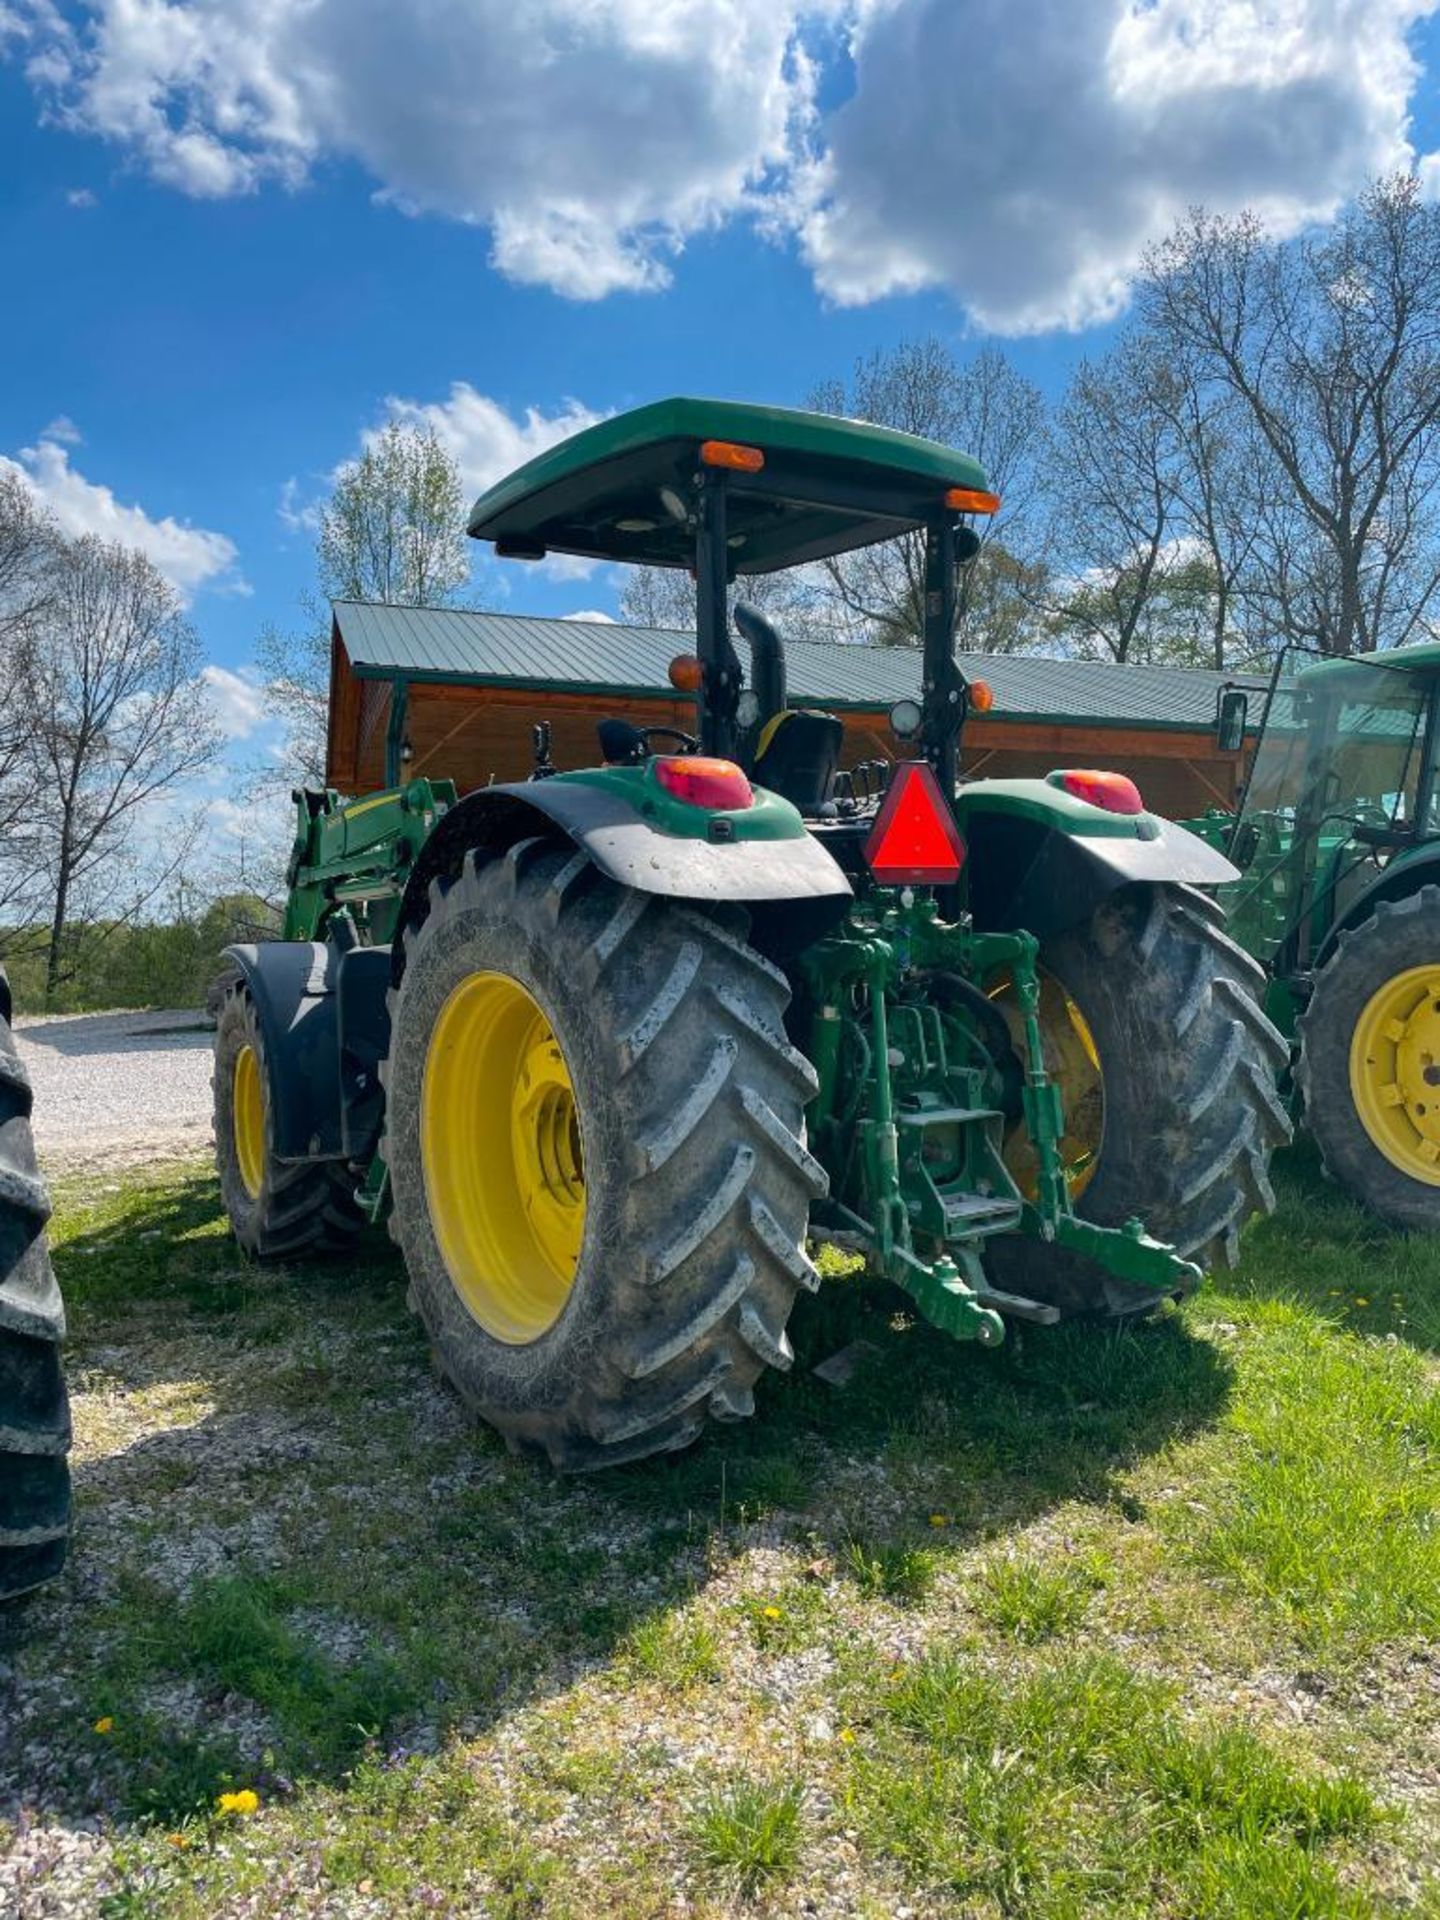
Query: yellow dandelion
176, 1840
771, 1613
847, 1735
245, 1801
939, 1519
105, 1724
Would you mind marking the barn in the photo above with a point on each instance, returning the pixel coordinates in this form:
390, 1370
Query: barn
457, 694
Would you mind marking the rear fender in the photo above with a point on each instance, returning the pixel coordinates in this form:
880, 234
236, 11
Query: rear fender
1041, 859
794, 881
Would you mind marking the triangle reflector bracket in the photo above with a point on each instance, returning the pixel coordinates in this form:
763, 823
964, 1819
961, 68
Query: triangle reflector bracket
914, 841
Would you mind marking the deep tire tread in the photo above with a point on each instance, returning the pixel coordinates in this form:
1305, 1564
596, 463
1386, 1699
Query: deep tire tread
34, 1406
1192, 1111
702, 1256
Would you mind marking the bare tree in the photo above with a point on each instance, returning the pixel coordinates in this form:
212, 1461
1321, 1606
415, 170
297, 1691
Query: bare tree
1330, 346
1115, 517
982, 407
392, 531
29, 545
117, 719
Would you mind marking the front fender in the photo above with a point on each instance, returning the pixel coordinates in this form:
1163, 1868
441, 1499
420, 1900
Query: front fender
1402, 876
292, 985
1044, 860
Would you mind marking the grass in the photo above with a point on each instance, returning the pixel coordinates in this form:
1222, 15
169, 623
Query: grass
1031, 1599
1072, 1785
748, 1833
1137, 1622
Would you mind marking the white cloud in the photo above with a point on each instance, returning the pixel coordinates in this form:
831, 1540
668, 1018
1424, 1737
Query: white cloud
593, 616
1019, 153
81, 197
300, 516
1024, 152
237, 699
189, 557
485, 441
592, 137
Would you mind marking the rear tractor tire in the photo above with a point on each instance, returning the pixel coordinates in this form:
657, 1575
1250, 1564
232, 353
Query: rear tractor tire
34, 1408
279, 1210
1172, 1091
596, 1145
1369, 1068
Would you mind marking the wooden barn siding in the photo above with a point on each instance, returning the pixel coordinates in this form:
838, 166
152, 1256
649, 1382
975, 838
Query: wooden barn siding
474, 735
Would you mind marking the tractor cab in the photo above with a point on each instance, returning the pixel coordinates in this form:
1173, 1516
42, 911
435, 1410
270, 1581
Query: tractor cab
726, 491
1341, 792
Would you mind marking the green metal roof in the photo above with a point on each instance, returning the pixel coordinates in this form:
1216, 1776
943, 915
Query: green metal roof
517, 650
828, 485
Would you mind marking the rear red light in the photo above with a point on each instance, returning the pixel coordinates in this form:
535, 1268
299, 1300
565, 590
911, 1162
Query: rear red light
914, 841
1115, 792
702, 782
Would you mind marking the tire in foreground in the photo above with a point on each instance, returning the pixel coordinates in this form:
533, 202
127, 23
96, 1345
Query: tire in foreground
34, 1408
595, 1141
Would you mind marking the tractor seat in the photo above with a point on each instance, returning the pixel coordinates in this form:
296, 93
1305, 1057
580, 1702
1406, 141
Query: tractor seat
797, 757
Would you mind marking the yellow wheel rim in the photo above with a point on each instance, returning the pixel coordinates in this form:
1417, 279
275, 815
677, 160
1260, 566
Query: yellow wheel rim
1395, 1072
500, 1152
1074, 1061
247, 1110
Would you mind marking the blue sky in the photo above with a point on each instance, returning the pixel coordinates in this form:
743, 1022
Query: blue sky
239, 231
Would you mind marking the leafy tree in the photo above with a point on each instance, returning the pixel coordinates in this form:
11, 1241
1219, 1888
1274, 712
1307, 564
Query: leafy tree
392, 531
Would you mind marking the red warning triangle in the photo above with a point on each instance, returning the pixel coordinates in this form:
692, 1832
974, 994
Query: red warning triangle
914, 841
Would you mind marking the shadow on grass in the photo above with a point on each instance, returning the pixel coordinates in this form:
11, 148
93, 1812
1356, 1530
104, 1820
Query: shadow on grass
310, 1554
1322, 1252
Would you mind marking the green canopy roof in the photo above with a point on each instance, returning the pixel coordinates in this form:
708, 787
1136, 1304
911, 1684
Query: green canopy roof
1423, 657
827, 485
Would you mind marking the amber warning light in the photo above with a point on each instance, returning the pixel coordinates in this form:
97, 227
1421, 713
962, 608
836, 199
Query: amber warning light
914, 841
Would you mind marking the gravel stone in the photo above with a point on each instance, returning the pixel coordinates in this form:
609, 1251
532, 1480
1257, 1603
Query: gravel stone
127, 1087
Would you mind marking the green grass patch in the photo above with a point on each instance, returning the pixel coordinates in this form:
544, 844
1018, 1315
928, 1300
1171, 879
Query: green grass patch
674, 1651
888, 1571
1075, 1786
1032, 1599
748, 1833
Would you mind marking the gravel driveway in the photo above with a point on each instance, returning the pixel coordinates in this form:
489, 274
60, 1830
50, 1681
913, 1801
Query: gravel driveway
118, 1087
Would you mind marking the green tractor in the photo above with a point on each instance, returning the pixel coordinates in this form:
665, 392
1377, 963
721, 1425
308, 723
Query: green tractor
609, 1046
1338, 839
34, 1409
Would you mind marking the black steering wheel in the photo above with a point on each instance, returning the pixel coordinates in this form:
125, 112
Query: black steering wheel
688, 742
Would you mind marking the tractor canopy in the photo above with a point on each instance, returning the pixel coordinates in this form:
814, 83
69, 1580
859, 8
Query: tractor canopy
1422, 658
802, 486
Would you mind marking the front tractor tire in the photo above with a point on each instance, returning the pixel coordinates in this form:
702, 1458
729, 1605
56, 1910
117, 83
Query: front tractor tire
1369, 1066
1179, 1107
278, 1209
596, 1148
34, 1408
